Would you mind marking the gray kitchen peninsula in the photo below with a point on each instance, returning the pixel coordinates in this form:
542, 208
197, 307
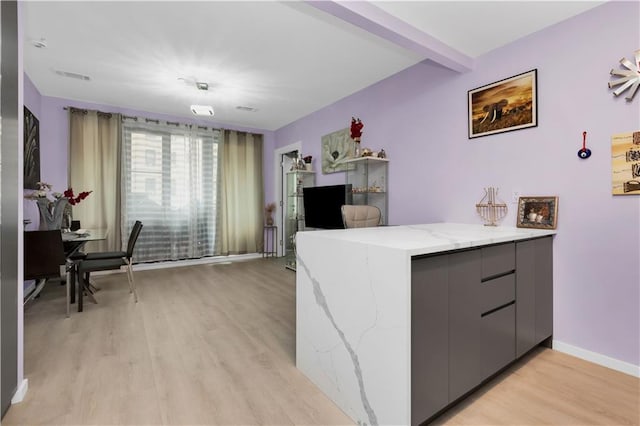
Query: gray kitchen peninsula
397, 323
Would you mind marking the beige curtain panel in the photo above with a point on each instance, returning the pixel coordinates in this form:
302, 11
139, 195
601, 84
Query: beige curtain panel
94, 150
241, 194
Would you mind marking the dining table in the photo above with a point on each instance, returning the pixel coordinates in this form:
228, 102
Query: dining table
74, 242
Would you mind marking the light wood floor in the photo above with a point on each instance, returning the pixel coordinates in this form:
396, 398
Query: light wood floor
215, 345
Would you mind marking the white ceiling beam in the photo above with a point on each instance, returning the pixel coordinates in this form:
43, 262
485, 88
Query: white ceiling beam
371, 18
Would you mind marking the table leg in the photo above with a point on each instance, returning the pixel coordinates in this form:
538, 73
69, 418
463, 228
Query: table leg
72, 282
68, 285
80, 290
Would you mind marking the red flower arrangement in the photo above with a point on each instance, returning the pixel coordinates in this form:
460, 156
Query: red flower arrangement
73, 200
356, 129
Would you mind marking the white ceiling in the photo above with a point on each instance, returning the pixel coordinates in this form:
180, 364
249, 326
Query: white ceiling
287, 59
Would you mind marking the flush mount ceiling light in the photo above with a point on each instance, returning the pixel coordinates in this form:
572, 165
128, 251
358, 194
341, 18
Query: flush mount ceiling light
202, 86
206, 110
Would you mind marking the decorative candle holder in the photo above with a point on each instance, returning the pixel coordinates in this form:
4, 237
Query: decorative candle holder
489, 209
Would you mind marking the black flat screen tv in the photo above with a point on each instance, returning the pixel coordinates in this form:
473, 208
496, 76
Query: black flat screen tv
322, 205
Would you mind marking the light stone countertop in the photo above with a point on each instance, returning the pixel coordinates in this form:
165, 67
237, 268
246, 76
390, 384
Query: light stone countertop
430, 238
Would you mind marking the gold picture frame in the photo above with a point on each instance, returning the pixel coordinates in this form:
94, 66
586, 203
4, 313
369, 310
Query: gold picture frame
503, 106
537, 212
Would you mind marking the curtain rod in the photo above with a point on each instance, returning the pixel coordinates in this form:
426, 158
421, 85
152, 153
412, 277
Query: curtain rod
168, 123
151, 120
84, 111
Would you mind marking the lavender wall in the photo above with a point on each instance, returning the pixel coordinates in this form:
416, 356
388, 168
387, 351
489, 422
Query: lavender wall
54, 138
437, 174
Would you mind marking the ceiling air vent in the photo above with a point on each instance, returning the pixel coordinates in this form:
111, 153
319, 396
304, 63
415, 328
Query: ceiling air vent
246, 108
72, 75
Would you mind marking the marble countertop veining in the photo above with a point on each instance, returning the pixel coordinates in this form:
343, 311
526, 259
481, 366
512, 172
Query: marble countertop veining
429, 238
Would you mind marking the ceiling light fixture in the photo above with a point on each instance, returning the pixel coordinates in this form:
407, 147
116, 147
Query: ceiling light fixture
202, 110
202, 86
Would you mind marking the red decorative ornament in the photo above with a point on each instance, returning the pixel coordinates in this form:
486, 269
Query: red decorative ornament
356, 129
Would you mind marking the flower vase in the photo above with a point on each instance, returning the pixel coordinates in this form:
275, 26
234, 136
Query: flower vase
356, 151
51, 213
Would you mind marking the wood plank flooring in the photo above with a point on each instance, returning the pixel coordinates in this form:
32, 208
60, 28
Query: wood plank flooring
215, 345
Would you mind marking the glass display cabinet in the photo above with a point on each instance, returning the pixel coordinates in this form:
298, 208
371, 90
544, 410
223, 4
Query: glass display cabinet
368, 177
294, 219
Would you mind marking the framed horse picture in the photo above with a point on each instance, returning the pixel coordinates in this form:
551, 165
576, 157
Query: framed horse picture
503, 106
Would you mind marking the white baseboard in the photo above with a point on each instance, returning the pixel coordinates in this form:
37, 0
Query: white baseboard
21, 392
180, 263
191, 262
596, 358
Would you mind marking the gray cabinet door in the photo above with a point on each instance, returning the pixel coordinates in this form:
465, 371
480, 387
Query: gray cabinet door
465, 328
429, 337
525, 297
498, 345
544, 288
534, 293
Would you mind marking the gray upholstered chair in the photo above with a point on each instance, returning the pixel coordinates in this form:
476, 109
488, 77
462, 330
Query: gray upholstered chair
361, 216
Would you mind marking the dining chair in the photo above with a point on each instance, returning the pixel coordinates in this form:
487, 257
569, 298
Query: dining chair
43, 259
361, 216
105, 261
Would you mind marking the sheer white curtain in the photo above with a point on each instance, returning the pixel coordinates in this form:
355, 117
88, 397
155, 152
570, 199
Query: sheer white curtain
170, 183
241, 193
94, 143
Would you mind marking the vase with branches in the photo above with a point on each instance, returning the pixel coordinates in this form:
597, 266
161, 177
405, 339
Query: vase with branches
268, 213
52, 205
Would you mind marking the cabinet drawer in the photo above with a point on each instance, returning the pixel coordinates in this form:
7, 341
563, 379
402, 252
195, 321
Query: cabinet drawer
498, 259
499, 335
497, 292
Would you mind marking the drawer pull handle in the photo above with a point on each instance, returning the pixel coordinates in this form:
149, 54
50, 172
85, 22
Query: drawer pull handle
489, 312
493, 277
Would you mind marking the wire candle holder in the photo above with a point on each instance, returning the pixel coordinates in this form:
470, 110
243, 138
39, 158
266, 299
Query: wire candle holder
490, 209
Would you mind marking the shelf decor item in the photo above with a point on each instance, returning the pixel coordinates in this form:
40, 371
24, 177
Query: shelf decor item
537, 212
356, 134
490, 209
307, 162
503, 106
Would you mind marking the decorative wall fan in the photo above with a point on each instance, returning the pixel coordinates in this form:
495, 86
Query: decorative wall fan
630, 77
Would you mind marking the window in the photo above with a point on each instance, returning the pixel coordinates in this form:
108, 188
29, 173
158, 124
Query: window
170, 183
